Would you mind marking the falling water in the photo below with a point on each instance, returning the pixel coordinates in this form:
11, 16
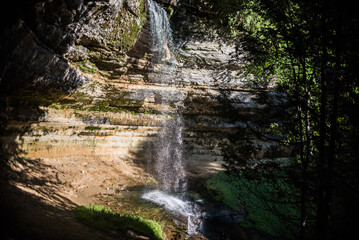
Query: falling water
164, 63
167, 162
178, 206
161, 32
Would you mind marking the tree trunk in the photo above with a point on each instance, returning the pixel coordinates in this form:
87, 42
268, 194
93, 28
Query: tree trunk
306, 158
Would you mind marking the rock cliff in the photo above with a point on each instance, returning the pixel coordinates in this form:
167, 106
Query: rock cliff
44, 46
80, 95
94, 59
83, 100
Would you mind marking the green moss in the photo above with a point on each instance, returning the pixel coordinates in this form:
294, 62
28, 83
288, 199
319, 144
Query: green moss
67, 101
92, 128
222, 188
151, 181
54, 106
89, 69
30, 97
115, 100
169, 11
45, 130
104, 219
126, 33
78, 115
80, 97
270, 202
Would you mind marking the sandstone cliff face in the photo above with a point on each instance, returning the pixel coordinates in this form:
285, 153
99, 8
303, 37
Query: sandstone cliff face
82, 103
43, 46
89, 91
56, 57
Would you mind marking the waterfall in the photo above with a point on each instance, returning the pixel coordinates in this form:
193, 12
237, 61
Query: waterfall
167, 161
169, 164
161, 32
178, 206
163, 61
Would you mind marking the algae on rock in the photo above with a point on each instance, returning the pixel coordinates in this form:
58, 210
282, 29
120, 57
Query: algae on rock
110, 35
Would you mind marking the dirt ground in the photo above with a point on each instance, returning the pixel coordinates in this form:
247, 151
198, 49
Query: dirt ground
38, 195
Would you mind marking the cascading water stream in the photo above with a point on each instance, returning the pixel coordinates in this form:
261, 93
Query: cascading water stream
168, 163
177, 206
161, 32
164, 62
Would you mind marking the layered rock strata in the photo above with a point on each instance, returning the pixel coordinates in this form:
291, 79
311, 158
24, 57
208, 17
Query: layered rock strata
112, 107
55, 39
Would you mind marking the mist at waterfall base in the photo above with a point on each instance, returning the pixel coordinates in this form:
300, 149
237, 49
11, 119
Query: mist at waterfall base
167, 163
178, 206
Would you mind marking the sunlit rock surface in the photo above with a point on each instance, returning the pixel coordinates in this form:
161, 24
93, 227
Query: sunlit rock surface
85, 105
116, 95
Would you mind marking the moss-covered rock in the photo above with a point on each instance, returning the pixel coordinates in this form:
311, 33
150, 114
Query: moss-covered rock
96, 35
109, 35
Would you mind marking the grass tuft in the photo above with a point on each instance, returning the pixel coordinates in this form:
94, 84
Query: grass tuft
104, 219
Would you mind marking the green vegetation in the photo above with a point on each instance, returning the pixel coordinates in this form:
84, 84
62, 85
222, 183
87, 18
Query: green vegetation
87, 69
54, 106
225, 188
87, 66
169, 11
92, 128
45, 130
104, 219
114, 100
29, 97
151, 181
269, 201
126, 33
306, 50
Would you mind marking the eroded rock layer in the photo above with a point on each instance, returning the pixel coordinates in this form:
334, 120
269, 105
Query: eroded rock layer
80, 94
